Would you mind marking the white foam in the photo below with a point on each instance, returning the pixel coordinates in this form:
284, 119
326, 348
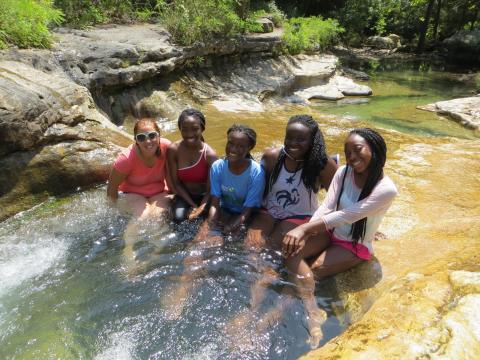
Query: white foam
121, 347
23, 260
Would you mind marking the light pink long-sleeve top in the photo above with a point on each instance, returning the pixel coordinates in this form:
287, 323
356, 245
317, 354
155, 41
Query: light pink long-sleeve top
350, 210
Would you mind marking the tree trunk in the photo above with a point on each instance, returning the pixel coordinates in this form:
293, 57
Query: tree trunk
472, 24
424, 27
437, 20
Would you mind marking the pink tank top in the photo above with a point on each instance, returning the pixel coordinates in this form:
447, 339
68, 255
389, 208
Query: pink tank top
196, 173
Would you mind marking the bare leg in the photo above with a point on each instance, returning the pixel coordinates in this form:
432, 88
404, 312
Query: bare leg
138, 206
192, 270
303, 277
256, 240
158, 204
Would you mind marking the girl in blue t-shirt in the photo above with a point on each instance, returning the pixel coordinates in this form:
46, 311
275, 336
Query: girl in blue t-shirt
236, 183
236, 186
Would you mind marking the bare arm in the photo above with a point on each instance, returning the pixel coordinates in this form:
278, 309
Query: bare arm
214, 211
114, 181
326, 174
238, 220
211, 157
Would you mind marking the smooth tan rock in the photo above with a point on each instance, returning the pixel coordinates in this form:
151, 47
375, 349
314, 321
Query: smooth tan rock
422, 315
465, 111
465, 281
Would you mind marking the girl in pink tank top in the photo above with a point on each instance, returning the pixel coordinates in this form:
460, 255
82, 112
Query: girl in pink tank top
189, 162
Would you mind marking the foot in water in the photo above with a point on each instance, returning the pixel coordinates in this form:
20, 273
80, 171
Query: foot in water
315, 319
173, 304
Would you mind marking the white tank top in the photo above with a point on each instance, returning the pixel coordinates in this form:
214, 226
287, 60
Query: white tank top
289, 197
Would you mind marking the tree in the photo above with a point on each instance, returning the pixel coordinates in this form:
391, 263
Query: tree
424, 26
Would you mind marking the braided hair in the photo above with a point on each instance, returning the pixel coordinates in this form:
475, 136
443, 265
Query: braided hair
192, 112
375, 174
315, 159
249, 132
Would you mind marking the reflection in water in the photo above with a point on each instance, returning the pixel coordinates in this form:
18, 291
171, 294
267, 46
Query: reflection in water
63, 289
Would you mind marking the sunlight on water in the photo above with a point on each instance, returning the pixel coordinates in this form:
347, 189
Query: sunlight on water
65, 291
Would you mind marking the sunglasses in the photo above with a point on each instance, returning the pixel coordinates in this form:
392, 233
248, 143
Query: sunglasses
141, 137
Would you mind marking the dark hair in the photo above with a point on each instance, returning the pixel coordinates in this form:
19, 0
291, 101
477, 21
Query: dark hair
315, 158
192, 112
375, 174
249, 132
151, 122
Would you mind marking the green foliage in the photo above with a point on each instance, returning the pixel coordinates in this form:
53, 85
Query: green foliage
204, 20
404, 17
310, 34
278, 17
269, 9
81, 13
24, 23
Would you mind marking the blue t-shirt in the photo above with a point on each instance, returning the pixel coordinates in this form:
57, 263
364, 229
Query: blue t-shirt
237, 192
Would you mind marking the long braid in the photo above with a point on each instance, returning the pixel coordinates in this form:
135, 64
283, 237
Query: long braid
375, 174
314, 161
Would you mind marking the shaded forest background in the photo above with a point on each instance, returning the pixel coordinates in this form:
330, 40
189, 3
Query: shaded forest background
308, 24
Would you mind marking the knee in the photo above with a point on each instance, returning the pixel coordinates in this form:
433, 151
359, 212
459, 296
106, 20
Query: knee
180, 209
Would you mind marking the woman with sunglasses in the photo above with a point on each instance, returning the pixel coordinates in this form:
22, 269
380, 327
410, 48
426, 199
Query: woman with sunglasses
141, 174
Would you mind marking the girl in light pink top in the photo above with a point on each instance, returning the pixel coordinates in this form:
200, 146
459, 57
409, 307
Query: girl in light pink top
339, 235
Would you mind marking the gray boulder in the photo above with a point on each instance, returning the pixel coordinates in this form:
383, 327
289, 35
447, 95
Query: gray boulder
465, 111
465, 44
53, 138
267, 24
389, 42
337, 88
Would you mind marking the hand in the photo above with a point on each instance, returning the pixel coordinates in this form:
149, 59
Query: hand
196, 212
232, 226
293, 241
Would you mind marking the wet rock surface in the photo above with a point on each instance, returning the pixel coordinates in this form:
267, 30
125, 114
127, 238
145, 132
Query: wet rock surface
465, 111
53, 137
431, 312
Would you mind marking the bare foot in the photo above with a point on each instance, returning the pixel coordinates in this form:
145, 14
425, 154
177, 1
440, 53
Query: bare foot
174, 304
274, 315
238, 323
315, 320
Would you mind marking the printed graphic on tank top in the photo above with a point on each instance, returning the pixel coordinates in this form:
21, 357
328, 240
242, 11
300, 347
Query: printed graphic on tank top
289, 197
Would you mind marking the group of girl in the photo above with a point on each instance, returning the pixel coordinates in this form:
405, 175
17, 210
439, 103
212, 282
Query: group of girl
275, 200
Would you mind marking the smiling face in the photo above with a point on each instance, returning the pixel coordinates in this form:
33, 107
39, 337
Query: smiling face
149, 146
238, 146
358, 153
297, 140
191, 130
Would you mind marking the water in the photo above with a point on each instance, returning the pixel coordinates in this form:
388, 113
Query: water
65, 292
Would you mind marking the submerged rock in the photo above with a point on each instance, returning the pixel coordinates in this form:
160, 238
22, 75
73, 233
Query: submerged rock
465, 111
